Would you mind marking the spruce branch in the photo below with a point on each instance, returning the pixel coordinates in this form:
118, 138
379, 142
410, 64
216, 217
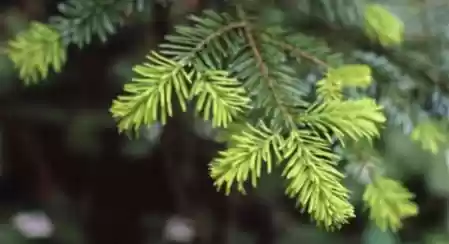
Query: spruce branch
219, 97
248, 30
250, 148
190, 51
218, 33
149, 97
299, 53
192, 62
430, 133
314, 181
389, 202
204, 44
36, 49
81, 20
358, 119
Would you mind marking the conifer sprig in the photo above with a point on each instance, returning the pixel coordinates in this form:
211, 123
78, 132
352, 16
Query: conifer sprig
250, 150
204, 44
149, 97
389, 203
265, 73
358, 119
309, 161
36, 49
231, 68
82, 20
41, 46
219, 98
314, 181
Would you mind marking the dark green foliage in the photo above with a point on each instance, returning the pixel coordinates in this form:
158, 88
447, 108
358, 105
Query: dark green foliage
82, 20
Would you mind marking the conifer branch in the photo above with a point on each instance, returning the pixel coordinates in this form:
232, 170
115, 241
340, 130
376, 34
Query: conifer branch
210, 39
396, 203
35, 50
300, 53
215, 63
264, 70
201, 45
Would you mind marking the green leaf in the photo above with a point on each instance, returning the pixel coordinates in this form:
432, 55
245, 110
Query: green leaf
354, 75
82, 20
430, 135
32, 51
314, 181
219, 97
249, 150
272, 84
381, 25
389, 203
330, 88
149, 97
211, 38
355, 119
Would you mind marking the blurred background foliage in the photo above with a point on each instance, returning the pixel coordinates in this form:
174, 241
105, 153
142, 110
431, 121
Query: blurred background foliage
61, 154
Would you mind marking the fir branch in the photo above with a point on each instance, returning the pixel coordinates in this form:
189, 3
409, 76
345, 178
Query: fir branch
220, 98
265, 71
212, 37
389, 202
357, 39
430, 134
300, 53
314, 181
358, 119
208, 45
149, 97
36, 49
81, 20
250, 148
218, 33
216, 93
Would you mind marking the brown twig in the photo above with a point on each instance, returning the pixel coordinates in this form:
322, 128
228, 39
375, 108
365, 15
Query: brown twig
235, 25
302, 54
263, 67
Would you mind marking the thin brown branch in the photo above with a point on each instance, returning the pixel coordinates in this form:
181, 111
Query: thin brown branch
264, 68
301, 54
231, 26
